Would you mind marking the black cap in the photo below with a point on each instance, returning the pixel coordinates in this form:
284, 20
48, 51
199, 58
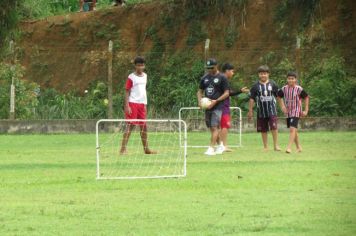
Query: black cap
210, 63
292, 73
139, 60
263, 68
227, 66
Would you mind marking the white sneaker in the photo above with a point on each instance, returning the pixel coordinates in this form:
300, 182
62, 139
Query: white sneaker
220, 149
210, 152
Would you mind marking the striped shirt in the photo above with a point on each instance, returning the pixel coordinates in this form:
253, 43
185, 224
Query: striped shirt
265, 98
293, 99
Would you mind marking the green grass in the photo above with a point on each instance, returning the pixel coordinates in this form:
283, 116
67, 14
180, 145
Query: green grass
48, 187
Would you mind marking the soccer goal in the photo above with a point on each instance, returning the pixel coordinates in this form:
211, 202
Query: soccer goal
199, 135
166, 137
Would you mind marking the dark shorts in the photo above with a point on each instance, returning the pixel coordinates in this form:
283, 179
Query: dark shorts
266, 124
292, 122
213, 118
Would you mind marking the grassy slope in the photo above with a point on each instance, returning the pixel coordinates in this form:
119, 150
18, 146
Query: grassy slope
47, 186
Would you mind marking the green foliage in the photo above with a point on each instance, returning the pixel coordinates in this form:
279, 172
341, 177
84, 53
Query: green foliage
33, 103
178, 86
242, 99
284, 10
206, 4
33, 9
231, 34
332, 90
196, 33
279, 72
25, 93
8, 19
105, 32
55, 105
286, 7
154, 58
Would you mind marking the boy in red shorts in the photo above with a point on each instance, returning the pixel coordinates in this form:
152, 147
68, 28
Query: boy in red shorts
264, 94
225, 125
135, 105
293, 95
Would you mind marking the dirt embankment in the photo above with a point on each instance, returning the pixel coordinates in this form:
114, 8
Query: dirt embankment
69, 52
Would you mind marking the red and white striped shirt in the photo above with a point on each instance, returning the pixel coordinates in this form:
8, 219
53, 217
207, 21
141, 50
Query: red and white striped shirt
293, 99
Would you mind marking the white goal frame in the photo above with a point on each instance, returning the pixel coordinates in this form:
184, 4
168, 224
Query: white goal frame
182, 129
181, 138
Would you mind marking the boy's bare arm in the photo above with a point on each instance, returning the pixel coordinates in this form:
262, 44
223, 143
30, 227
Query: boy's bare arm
281, 104
127, 107
251, 104
306, 109
199, 96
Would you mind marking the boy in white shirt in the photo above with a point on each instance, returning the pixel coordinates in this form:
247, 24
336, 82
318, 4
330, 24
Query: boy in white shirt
135, 105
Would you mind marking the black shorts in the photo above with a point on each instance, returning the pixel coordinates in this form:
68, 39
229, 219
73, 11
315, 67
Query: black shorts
266, 124
292, 122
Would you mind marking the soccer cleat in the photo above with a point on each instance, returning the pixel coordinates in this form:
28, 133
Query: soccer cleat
210, 152
220, 149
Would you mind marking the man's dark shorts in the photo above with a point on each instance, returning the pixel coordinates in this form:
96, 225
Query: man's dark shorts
213, 118
292, 122
266, 124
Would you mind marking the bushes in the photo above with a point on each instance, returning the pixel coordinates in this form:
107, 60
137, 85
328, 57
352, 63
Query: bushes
176, 85
33, 103
26, 92
92, 105
333, 91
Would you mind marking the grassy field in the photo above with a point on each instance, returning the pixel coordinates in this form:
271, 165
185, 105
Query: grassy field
48, 187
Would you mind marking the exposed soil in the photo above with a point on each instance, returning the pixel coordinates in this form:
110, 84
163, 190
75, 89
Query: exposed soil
69, 52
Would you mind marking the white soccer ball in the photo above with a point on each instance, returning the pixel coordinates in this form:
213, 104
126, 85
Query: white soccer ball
205, 102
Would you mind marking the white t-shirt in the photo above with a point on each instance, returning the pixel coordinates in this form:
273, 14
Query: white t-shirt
137, 86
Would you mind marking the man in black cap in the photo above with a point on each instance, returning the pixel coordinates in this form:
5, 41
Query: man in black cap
214, 86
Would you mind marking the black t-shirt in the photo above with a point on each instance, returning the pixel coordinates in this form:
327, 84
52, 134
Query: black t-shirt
214, 86
265, 98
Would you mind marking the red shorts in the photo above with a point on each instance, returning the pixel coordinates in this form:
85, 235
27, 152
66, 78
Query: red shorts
225, 122
138, 111
266, 124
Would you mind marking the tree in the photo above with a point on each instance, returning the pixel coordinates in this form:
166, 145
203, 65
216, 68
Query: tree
8, 19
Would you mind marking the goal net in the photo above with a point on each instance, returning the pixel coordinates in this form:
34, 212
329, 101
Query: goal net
166, 137
199, 135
